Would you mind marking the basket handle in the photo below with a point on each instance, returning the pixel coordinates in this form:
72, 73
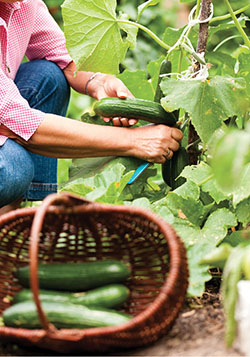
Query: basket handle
63, 198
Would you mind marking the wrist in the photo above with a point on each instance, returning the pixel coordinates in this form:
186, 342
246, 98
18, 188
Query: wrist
90, 84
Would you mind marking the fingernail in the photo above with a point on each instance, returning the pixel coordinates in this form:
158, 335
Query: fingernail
132, 122
123, 95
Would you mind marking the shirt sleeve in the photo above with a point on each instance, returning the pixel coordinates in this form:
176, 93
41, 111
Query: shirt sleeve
47, 39
15, 112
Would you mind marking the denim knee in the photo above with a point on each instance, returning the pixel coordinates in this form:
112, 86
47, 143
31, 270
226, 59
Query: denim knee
16, 172
43, 84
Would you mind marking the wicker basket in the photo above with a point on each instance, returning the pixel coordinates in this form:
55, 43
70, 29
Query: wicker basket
66, 228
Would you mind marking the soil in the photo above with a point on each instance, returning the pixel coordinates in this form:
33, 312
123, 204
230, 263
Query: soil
198, 331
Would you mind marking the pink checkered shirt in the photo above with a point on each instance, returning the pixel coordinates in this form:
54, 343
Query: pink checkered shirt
26, 28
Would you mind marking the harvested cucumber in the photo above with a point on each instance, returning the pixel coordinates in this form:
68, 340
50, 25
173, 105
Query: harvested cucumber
134, 108
76, 276
62, 315
108, 296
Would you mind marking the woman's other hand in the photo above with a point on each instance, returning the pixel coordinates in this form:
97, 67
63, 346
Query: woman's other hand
155, 143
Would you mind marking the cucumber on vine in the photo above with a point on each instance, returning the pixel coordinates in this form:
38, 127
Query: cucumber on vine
171, 169
165, 67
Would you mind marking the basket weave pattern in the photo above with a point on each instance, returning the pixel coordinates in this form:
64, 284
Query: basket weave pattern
70, 229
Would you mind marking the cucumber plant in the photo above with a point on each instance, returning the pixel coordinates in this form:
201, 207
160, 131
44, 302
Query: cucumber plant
208, 85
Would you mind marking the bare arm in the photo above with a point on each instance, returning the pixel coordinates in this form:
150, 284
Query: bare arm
66, 138
100, 87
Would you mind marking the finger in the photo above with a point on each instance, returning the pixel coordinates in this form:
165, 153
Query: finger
173, 145
123, 92
124, 121
101, 93
116, 121
176, 134
169, 154
132, 122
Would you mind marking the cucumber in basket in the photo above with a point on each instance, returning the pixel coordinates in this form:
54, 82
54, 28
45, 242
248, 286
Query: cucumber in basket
108, 296
76, 276
62, 315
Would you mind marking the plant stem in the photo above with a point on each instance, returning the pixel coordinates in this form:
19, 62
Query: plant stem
203, 31
227, 16
237, 24
145, 29
205, 7
193, 53
198, 5
224, 41
180, 61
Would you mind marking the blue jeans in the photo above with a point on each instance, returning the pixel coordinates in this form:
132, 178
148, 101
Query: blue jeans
22, 173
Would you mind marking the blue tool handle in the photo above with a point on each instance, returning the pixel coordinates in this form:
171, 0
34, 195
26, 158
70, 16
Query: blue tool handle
140, 169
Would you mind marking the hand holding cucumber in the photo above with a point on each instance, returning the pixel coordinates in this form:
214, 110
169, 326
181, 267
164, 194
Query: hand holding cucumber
156, 143
104, 86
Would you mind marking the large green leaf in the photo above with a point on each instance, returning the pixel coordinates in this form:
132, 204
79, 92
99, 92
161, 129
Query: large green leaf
244, 70
137, 83
203, 176
199, 242
87, 167
188, 190
198, 173
62, 170
142, 202
221, 64
93, 35
187, 208
230, 155
243, 211
223, 27
105, 186
208, 102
